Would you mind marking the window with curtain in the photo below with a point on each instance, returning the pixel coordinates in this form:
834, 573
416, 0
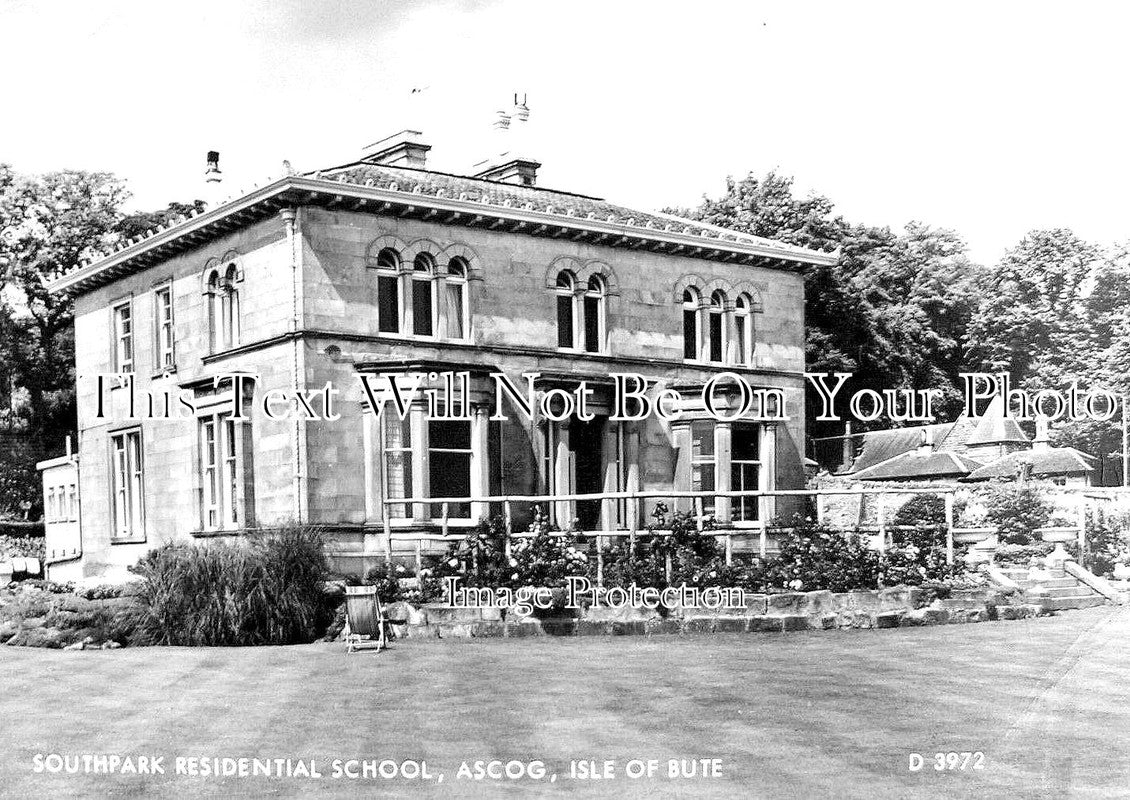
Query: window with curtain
743, 329
456, 311
397, 462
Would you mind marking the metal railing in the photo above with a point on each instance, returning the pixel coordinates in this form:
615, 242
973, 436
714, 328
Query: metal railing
608, 500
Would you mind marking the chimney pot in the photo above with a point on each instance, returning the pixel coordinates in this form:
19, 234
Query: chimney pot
212, 172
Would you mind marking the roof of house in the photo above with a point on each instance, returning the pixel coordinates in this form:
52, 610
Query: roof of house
1049, 461
915, 466
451, 199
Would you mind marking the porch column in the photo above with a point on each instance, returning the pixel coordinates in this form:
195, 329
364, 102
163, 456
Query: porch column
563, 477
610, 458
767, 475
682, 434
632, 471
418, 421
723, 438
480, 460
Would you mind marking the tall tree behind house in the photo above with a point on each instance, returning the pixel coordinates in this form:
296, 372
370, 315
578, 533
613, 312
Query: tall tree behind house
895, 309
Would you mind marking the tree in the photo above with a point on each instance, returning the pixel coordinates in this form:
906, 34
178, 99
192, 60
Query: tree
893, 310
48, 224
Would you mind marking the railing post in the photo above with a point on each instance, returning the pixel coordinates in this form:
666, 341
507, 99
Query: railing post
698, 513
443, 521
764, 537
949, 528
509, 526
388, 538
419, 556
599, 560
819, 508
1082, 529
729, 549
882, 511
667, 568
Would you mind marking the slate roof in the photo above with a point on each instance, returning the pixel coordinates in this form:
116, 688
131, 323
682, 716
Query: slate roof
913, 466
1050, 461
531, 198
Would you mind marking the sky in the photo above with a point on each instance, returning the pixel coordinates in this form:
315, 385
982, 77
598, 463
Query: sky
989, 118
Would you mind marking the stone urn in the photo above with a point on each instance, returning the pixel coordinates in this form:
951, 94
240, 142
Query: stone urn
1058, 533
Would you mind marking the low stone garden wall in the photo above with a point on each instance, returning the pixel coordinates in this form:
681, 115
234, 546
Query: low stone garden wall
794, 611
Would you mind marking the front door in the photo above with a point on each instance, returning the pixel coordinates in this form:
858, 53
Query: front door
585, 441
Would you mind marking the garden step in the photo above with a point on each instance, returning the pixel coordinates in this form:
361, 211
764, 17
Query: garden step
1072, 591
1055, 583
1082, 601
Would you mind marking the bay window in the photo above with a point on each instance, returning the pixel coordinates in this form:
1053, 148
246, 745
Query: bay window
745, 469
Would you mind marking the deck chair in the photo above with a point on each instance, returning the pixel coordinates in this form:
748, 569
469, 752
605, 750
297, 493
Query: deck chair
364, 618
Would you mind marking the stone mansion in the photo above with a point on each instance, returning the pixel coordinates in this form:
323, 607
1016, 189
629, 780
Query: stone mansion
383, 265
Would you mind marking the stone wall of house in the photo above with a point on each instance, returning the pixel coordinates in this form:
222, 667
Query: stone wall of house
513, 323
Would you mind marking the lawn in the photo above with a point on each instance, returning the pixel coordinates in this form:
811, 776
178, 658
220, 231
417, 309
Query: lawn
790, 715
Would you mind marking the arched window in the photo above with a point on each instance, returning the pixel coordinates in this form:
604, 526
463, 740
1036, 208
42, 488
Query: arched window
423, 299
223, 308
566, 309
716, 326
743, 329
230, 307
214, 312
594, 310
388, 291
690, 324
455, 311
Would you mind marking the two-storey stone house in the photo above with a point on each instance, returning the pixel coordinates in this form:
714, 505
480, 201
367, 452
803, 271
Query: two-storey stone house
382, 265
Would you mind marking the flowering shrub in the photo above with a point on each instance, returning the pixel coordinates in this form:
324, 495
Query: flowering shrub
818, 557
547, 558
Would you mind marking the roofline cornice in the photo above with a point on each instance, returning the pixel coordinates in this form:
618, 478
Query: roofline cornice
295, 190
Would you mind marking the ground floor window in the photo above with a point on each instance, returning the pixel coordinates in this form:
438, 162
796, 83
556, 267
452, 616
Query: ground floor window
440, 450
223, 473
449, 464
127, 486
745, 469
703, 468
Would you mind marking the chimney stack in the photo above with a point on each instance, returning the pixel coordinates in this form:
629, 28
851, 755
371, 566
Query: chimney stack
513, 163
404, 149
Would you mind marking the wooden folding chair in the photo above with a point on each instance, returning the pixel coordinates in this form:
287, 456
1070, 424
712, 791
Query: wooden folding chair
364, 618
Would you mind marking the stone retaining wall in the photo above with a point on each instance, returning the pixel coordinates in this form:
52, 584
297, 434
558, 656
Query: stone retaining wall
795, 611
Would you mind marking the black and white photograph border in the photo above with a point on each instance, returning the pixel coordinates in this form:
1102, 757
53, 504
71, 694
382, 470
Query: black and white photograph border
485, 398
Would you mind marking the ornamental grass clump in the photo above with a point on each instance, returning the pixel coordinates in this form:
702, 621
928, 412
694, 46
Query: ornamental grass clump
266, 589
